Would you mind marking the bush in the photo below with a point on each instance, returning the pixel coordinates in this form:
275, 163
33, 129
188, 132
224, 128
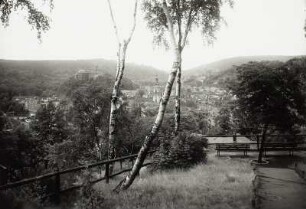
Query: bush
26, 196
87, 197
181, 151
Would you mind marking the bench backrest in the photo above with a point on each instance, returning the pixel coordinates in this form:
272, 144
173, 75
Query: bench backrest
282, 145
232, 146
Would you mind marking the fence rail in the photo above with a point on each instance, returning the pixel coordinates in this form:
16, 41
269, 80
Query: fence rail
253, 135
107, 176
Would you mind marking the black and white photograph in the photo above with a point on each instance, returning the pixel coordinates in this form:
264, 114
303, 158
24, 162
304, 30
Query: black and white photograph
152, 104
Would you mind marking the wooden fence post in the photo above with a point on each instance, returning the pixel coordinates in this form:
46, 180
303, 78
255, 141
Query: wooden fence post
3, 175
107, 173
257, 140
57, 187
234, 137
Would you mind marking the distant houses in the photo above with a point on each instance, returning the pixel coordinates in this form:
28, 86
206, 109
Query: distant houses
33, 103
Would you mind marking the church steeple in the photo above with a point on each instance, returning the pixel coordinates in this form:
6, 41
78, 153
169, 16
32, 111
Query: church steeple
156, 80
156, 90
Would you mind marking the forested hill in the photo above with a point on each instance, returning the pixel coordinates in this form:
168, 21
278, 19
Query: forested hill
34, 77
221, 72
226, 64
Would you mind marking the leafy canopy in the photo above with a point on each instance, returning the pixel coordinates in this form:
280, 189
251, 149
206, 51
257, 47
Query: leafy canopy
271, 95
36, 18
185, 15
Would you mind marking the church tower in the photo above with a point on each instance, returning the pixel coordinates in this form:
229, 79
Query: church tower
156, 91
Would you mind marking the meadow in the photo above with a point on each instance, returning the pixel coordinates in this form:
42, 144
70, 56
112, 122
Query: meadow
220, 183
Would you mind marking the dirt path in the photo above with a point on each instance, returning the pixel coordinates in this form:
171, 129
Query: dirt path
278, 186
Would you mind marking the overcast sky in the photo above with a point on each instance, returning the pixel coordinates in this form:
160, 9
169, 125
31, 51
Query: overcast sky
81, 29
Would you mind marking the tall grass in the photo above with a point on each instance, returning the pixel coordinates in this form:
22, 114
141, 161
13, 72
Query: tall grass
221, 183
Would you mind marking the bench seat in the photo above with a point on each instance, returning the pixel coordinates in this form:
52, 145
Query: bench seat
232, 147
280, 147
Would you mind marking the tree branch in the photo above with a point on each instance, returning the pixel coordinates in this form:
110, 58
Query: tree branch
179, 22
169, 20
134, 23
113, 20
187, 29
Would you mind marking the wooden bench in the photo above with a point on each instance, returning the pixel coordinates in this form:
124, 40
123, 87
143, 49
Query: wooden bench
233, 147
280, 147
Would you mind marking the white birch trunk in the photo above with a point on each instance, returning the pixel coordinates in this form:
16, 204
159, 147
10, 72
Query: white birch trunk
128, 180
155, 128
115, 105
177, 116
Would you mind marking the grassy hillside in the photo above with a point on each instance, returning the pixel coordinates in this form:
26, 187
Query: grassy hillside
221, 183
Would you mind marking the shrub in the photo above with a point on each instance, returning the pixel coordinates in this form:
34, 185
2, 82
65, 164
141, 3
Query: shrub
25, 196
87, 197
181, 151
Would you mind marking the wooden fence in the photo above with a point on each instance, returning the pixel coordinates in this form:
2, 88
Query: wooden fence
107, 176
57, 175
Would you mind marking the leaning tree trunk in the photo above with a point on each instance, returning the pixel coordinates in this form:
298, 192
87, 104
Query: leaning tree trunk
115, 105
125, 183
262, 144
177, 116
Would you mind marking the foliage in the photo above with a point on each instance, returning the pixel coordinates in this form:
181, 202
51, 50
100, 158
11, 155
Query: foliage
193, 121
28, 196
88, 197
223, 120
46, 78
190, 104
271, 95
50, 125
88, 115
133, 129
8, 105
103, 82
181, 151
185, 16
37, 19
19, 151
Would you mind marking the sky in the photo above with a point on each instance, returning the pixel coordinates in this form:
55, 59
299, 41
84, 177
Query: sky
82, 29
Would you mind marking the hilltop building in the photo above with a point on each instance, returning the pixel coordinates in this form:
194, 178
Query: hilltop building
83, 75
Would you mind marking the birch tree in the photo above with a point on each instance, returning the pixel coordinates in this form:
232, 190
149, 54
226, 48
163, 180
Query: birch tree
170, 17
184, 16
121, 55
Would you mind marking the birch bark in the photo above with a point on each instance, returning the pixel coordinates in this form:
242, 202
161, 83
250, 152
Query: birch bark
115, 103
128, 180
